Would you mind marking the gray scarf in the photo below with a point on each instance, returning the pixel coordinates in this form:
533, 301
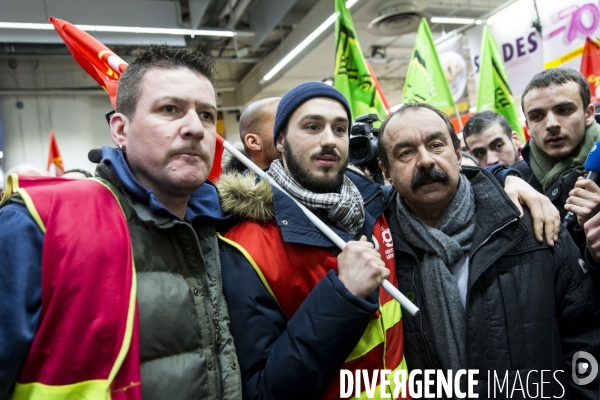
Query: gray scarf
444, 247
346, 208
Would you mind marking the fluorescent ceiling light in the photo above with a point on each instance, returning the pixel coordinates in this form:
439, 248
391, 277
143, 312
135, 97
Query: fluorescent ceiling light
304, 44
455, 20
123, 29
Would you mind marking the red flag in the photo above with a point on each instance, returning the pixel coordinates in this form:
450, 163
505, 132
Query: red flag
216, 169
106, 68
54, 156
95, 58
590, 66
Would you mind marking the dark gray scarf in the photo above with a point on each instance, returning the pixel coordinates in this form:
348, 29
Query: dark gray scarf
444, 247
346, 208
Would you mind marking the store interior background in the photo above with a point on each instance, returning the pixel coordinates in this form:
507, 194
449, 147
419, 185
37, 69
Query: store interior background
42, 88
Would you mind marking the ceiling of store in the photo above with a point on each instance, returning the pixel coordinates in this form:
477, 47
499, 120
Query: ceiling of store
266, 31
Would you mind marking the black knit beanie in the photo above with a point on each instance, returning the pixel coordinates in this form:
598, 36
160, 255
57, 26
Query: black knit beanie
300, 94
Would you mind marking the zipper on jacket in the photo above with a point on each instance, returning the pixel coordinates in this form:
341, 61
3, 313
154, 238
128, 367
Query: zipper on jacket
484, 241
217, 330
214, 311
370, 199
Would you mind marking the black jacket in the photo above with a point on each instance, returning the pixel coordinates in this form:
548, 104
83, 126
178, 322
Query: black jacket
558, 193
529, 307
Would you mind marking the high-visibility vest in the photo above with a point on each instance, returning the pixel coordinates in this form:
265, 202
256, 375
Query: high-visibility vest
289, 271
87, 344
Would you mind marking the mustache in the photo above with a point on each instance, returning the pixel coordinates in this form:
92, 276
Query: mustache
424, 177
327, 152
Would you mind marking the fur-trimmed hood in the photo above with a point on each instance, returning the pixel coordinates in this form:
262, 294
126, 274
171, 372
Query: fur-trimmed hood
248, 198
245, 197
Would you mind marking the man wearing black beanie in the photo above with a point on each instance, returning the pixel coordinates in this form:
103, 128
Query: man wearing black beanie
299, 314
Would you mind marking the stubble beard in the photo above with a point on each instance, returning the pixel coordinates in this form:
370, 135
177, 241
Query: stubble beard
331, 184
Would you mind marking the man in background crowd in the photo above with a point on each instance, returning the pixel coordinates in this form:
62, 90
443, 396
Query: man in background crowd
491, 140
560, 120
256, 131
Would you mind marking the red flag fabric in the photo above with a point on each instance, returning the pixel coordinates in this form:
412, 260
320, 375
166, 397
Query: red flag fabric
590, 66
54, 156
216, 170
95, 58
106, 68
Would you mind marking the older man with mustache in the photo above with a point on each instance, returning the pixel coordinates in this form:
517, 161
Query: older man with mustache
492, 298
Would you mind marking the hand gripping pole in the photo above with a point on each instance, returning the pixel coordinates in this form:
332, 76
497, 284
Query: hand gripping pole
406, 304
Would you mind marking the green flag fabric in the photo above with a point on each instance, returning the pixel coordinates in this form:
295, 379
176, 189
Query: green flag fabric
425, 80
493, 93
352, 76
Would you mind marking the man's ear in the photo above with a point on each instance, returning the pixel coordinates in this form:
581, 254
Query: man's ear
516, 139
279, 143
119, 126
385, 172
590, 115
459, 157
252, 141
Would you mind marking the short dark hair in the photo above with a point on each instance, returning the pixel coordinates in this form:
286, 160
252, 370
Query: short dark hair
158, 56
481, 121
381, 146
559, 76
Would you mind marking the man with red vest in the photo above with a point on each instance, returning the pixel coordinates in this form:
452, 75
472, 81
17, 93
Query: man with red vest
111, 287
301, 310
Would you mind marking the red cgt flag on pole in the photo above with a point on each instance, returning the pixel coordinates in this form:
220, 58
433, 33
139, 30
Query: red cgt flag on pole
96, 59
54, 157
106, 68
590, 67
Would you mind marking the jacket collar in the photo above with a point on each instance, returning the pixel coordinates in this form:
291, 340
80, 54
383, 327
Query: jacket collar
203, 203
526, 152
494, 209
297, 228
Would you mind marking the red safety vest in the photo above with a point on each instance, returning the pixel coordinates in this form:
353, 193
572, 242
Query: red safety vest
289, 271
87, 344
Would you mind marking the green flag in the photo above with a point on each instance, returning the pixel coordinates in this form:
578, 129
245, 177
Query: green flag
425, 80
494, 92
352, 76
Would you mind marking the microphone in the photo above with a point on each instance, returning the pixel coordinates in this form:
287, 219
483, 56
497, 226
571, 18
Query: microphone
592, 165
95, 155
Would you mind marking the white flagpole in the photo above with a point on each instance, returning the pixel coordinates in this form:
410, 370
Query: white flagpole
406, 304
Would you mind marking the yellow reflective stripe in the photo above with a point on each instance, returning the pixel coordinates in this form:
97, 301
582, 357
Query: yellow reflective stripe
88, 390
132, 301
12, 184
389, 388
31, 208
372, 337
391, 314
252, 262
